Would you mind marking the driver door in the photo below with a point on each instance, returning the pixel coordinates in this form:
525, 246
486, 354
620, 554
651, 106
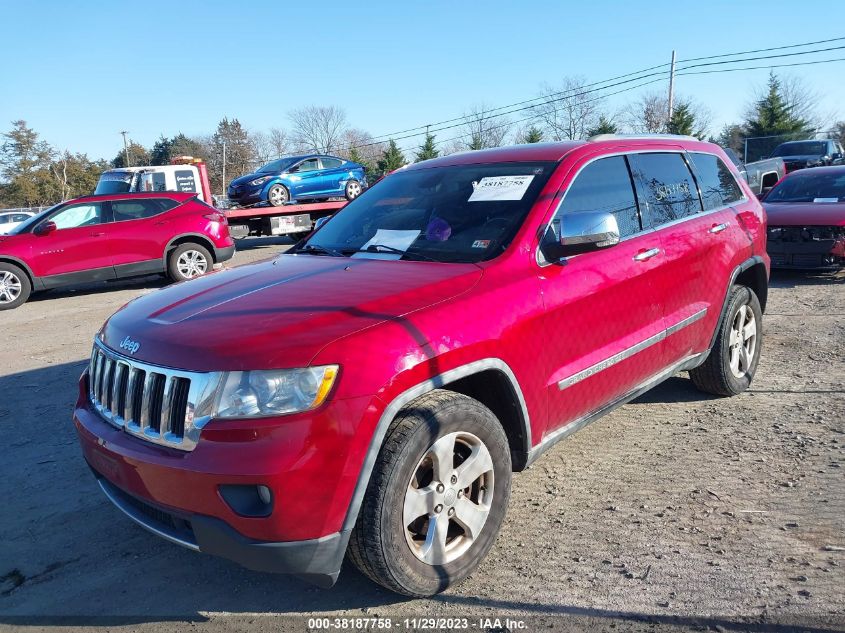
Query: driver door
78, 249
305, 178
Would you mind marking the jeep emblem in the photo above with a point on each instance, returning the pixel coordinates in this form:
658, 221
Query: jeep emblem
129, 345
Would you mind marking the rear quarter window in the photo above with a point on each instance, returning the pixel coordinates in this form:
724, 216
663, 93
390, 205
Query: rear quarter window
666, 188
718, 185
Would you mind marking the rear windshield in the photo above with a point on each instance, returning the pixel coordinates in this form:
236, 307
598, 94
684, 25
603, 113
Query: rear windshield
819, 186
803, 148
114, 182
462, 213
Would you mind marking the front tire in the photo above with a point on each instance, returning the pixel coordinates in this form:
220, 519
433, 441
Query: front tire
278, 195
188, 261
14, 287
732, 362
436, 498
352, 190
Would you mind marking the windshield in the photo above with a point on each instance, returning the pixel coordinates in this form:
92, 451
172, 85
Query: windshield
276, 166
114, 182
810, 187
804, 148
463, 213
26, 225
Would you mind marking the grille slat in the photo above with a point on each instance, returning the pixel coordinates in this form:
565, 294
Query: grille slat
154, 403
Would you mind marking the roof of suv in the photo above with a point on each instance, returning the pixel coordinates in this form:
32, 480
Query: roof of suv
179, 196
553, 151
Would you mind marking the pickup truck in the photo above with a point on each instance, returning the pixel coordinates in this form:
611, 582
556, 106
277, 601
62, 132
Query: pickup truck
809, 153
760, 175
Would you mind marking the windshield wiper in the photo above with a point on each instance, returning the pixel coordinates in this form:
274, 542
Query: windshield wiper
383, 248
315, 249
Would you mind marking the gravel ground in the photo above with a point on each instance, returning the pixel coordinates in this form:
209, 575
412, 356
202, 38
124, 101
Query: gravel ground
676, 512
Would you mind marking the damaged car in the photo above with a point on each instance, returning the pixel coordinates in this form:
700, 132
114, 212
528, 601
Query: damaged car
806, 219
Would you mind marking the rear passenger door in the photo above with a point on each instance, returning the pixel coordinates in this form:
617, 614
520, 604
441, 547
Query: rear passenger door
331, 176
138, 234
695, 253
603, 310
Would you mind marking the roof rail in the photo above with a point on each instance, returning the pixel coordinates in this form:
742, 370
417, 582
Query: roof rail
633, 137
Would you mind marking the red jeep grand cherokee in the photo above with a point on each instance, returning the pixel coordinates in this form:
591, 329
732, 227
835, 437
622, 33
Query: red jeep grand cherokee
97, 238
372, 390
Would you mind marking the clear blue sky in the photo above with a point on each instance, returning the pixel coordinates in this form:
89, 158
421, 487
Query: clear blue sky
79, 72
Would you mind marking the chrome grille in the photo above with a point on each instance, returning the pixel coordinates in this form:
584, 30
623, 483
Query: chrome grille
157, 404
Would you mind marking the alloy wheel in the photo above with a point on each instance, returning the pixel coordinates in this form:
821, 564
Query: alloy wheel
742, 344
353, 190
10, 287
192, 264
448, 499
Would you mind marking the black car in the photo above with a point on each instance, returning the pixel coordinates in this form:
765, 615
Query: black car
801, 154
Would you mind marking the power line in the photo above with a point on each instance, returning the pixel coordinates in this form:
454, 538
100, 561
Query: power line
730, 70
750, 59
545, 98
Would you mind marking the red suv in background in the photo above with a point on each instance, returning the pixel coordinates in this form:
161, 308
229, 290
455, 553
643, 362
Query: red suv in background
371, 391
97, 238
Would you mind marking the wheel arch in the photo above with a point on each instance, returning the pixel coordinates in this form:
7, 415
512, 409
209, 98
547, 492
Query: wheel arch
34, 281
753, 274
189, 238
467, 379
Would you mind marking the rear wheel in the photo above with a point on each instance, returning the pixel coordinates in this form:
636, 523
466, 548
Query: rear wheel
436, 498
14, 286
278, 195
188, 261
732, 363
352, 190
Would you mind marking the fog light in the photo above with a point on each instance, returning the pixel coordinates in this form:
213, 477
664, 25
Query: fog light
248, 500
265, 495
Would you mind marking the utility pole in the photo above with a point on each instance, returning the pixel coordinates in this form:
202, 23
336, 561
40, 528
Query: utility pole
224, 170
125, 147
671, 90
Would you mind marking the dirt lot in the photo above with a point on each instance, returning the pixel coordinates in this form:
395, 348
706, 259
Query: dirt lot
676, 512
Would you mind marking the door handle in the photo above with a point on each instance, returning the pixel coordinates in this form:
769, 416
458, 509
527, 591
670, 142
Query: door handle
644, 255
717, 228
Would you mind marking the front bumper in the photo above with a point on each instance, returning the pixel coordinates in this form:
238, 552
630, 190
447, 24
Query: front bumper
316, 560
310, 462
805, 249
245, 196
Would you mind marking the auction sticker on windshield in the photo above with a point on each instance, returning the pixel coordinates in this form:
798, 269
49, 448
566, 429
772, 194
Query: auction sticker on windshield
493, 188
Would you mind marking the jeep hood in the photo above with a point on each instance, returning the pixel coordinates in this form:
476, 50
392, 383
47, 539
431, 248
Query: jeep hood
279, 313
805, 213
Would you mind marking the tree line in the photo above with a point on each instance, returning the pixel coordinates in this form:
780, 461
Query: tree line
32, 173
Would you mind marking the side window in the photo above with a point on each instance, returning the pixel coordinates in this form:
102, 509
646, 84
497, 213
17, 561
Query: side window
85, 214
307, 165
151, 181
140, 209
717, 183
665, 186
5, 219
20, 217
604, 185
331, 163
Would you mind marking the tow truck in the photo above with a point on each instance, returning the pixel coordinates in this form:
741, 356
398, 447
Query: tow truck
189, 174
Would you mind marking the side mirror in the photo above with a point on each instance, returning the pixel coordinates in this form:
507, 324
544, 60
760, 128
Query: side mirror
321, 221
580, 233
836, 156
45, 228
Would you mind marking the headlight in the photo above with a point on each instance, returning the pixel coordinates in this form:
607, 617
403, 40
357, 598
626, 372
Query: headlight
260, 181
247, 394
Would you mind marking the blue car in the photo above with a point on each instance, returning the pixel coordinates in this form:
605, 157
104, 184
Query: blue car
298, 178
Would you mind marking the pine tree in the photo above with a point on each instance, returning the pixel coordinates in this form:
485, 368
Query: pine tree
532, 135
391, 159
683, 122
138, 155
772, 116
604, 126
428, 149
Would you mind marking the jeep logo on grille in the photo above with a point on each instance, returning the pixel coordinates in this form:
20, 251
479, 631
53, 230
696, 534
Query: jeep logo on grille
129, 345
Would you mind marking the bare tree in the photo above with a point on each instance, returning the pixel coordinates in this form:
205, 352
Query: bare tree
483, 128
650, 114
568, 111
318, 128
358, 145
